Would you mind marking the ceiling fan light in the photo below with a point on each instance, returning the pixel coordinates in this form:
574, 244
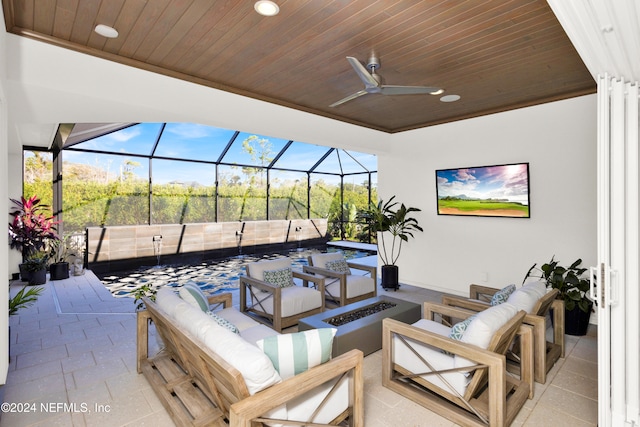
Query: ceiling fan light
266, 8
437, 92
106, 31
450, 98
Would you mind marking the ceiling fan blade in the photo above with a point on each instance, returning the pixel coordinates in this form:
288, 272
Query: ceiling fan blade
362, 72
408, 90
349, 98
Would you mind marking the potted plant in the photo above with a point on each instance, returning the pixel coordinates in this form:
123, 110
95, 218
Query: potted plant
388, 218
572, 287
31, 228
36, 265
59, 268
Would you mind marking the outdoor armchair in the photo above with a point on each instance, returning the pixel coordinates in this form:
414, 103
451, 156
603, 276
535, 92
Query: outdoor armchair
342, 286
270, 295
538, 306
465, 379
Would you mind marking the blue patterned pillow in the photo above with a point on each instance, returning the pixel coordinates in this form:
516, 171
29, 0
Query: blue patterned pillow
339, 266
224, 322
282, 277
502, 295
457, 330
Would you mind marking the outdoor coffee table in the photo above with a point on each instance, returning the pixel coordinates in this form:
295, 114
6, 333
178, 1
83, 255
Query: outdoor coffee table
364, 333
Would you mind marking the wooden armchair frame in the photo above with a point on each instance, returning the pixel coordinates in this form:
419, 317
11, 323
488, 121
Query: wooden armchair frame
545, 353
492, 397
332, 276
197, 387
275, 320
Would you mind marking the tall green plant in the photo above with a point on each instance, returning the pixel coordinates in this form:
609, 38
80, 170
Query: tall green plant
570, 282
386, 218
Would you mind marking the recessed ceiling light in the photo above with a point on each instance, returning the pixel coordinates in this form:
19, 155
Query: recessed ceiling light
106, 31
450, 98
266, 8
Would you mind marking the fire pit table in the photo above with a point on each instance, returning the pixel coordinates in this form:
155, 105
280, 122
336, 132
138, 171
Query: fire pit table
360, 324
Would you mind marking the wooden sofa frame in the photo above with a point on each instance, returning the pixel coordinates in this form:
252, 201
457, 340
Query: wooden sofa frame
199, 388
545, 353
492, 397
342, 277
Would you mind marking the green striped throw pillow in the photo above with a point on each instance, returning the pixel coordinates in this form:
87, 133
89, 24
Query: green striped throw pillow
191, 293
292, 354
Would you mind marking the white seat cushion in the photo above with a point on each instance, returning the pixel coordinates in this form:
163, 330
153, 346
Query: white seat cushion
300, 408
295, 300
356, 286
257, 333
439, 360
234, 316
168, 300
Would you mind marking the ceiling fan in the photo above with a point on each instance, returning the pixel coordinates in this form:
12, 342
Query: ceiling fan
373, 83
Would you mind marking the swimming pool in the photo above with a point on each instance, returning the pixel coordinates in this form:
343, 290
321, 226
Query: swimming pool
211, 276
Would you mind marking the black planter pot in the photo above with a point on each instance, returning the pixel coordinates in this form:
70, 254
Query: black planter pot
576, 321
38, 277
59, 271
390, 277
25, 274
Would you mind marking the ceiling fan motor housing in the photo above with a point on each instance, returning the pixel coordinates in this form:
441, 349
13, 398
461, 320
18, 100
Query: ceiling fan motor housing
373, 63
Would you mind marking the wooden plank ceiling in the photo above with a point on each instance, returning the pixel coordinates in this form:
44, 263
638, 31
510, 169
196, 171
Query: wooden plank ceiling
496, 55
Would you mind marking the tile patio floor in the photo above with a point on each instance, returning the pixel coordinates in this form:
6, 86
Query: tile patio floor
73, 363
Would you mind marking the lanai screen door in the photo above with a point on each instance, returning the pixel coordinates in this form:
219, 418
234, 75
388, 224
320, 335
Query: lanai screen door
616, 288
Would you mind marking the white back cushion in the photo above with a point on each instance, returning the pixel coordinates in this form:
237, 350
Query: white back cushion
257, 269
487, 322
525, 298
256, 368
320, 260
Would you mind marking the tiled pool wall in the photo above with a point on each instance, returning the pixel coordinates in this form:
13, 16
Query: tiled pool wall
121, 248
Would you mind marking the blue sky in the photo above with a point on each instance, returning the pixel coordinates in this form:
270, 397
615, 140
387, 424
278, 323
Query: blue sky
488, 182
191, 141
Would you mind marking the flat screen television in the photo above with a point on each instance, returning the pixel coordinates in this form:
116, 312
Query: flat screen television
498, 191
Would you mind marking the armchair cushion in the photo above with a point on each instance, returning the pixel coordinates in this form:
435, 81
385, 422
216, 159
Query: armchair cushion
339, 266
282, 277
292, 354
191, 293
502, 295
487, 322
295, 300
440, 361
321, 260
525, 298
358, 285
257, 269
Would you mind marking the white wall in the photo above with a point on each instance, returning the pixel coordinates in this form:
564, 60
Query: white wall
559, 142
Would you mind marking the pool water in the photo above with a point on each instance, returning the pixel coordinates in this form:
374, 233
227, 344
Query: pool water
211, 276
